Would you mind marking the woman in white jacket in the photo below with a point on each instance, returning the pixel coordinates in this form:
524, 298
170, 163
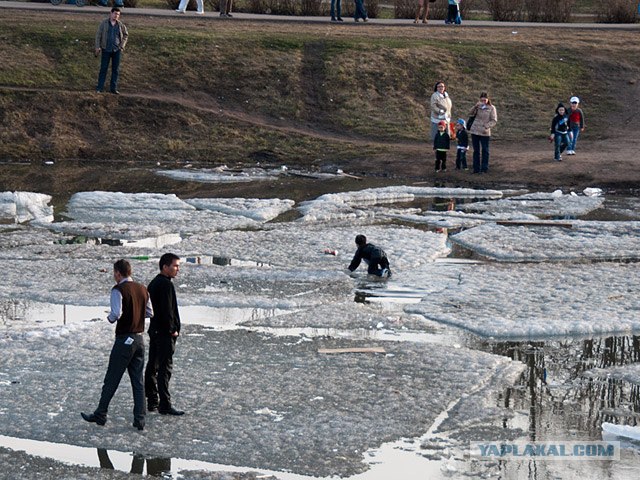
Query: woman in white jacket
440, 108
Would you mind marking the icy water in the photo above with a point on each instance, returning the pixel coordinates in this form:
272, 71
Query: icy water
551, 398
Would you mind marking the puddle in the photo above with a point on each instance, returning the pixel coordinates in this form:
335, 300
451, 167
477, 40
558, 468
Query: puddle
385, 462
224, 261
561, 400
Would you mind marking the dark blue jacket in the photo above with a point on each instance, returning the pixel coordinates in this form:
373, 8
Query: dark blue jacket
368, 252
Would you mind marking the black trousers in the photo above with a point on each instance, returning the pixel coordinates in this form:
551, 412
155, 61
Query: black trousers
376, 265
441, 160
159, 369
127, 354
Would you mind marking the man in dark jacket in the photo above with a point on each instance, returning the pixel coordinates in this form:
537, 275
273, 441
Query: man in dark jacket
111, 40
164, 329
129, 306
373, 256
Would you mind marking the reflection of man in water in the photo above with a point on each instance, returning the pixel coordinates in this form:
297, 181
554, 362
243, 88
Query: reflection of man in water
155, 466
373, 256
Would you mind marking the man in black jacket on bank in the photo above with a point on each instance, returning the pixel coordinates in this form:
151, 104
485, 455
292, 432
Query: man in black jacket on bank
164, 329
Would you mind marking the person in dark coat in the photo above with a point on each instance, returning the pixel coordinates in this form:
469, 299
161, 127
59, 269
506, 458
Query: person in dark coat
441, 144
560, 133
164, 329
373, 256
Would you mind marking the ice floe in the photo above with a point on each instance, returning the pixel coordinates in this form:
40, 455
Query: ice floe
354, 205
554, 241
555, 204
20, 207
536, 300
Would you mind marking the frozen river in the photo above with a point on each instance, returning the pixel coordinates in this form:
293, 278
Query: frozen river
510, 316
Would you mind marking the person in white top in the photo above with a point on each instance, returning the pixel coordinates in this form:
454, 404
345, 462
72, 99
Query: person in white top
182, 8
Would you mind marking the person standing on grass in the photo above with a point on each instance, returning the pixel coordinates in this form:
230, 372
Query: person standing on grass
463, 144
130, 305
576, 124
164, 329
560, 133
486, 117
440, 107
111, 39
441, 144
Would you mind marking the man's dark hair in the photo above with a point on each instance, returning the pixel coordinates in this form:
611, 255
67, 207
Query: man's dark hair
123, 267
167, 259
116, 9
361, 240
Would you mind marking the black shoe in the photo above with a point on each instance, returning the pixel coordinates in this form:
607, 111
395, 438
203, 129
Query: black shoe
115, 92
138, 425
93, 418
171, 411
152, 408
340, 19
333, 19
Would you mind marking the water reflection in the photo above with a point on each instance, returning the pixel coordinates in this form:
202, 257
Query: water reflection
560, 398
156, 467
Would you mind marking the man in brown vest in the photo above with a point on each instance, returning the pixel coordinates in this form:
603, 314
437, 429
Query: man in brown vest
130, 304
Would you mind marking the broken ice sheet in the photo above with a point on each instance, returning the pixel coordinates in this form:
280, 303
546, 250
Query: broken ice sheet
350, 205
553, 204
290, 245
537, 300
20, 207
553, 241
260, 210
223, 378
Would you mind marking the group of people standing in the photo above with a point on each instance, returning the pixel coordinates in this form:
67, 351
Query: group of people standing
483, 116
566, 126
131, 302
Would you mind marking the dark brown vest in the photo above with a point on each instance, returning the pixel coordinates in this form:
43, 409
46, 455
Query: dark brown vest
134, 305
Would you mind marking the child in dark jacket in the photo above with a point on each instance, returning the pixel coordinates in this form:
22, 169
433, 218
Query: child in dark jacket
560, 133
463, 144
441, 143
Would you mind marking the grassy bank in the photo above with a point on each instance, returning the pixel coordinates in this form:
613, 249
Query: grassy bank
221, 92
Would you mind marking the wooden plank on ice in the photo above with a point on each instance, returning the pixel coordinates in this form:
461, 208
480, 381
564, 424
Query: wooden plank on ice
352, 350
524, 223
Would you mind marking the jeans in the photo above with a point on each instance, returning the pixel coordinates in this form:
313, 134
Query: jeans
360, 11
114, 58
127, 354
561, 141
336, 7
461, 159
572, 141
480, 141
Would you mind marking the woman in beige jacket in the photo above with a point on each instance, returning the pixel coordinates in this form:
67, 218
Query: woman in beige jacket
486, 117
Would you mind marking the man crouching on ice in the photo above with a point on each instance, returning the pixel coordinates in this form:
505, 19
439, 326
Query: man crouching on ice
373, 256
